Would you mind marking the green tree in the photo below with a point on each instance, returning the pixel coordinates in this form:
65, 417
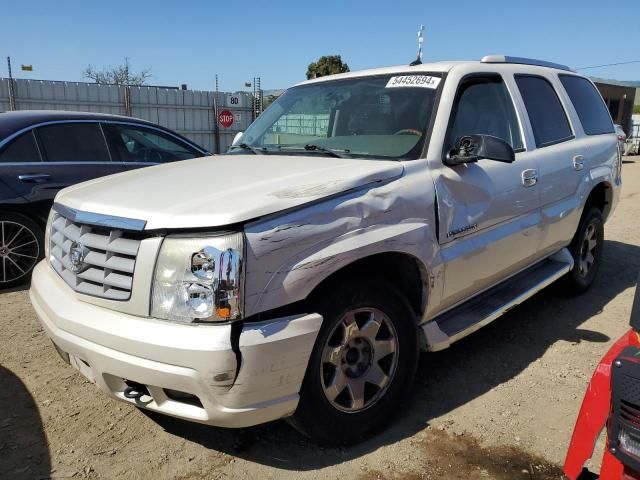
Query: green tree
119, 75
327, 65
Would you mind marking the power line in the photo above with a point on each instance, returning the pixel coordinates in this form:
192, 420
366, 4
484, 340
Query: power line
608, 65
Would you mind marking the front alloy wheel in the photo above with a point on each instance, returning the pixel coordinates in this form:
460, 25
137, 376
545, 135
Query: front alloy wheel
362, 364
359, 359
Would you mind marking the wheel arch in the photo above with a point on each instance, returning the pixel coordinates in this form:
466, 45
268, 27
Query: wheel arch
600, 197
25, 211
403, 270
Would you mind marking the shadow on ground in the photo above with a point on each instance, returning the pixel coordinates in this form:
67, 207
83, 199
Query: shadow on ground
19, 288
447, 379
23, 445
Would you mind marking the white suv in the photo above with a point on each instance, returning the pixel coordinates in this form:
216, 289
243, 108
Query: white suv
362, 217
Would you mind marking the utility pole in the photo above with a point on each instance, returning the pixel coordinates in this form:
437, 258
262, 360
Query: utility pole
12, 93
216, 126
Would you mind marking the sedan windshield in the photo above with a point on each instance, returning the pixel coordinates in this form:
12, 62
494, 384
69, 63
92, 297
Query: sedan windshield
384, 116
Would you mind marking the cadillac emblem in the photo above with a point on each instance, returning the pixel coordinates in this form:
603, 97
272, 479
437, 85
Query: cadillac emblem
76, 257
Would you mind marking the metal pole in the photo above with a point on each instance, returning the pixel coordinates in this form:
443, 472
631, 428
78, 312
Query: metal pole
253, 113
128, 110
259, 99
12, 93
216, 126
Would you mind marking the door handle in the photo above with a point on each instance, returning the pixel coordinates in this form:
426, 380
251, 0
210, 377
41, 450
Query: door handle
34, 177
529, 177
578, 162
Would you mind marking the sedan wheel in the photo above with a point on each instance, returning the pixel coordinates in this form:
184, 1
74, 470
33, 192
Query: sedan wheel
20, 249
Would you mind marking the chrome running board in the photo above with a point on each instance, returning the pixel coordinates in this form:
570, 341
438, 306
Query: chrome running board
465, 319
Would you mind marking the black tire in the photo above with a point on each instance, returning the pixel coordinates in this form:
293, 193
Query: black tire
326, 421
584, 272
21, 248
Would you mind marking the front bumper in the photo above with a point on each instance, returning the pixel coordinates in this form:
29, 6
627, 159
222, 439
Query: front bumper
110, 347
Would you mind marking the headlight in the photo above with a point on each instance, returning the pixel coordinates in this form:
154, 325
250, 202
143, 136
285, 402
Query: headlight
47, 237
199, 279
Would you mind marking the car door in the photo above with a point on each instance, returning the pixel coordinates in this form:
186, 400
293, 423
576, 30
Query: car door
566, 166
21, 168
73, 152
488, 211
139, 146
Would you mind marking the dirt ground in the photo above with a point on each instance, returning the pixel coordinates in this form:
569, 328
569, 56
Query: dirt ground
500, 404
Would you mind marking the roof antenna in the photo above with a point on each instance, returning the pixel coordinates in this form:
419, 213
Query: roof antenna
418, 61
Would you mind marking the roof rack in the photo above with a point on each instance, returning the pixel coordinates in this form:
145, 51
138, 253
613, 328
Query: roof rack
522, 61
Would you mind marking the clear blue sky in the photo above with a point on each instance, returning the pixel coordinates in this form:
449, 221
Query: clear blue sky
189, 41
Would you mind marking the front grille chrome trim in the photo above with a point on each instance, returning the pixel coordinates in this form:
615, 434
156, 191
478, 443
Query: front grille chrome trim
98, 219
92, 259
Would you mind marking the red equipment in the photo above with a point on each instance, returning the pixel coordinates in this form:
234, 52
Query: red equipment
612, 399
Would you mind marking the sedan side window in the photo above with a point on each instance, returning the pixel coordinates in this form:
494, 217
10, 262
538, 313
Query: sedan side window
21, 150
138, 144
74, 142
483, 106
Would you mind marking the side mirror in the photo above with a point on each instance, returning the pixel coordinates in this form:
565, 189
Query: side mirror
471, 148
237, 138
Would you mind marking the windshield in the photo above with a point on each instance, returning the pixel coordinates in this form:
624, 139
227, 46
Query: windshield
384, 116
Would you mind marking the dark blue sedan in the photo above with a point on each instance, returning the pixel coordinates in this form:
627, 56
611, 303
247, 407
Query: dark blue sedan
42, 152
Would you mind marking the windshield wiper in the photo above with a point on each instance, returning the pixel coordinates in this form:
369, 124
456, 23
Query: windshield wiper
310, 147
255, 150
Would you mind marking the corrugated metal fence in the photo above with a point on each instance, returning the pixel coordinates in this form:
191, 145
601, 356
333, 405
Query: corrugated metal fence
188, 112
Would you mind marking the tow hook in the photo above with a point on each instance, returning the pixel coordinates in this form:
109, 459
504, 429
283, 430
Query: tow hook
135, 390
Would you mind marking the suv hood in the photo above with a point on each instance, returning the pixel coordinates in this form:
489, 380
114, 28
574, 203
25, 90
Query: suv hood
223, 190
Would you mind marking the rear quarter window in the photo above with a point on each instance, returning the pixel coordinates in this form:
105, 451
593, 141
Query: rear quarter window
592, 112
20, 150
548, 118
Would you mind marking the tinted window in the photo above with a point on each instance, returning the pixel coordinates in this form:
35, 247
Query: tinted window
588, 103
21, 149
483, 106
73, 142
548, 120
139, 144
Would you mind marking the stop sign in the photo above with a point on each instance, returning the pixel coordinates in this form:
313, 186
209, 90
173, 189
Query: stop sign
225, 117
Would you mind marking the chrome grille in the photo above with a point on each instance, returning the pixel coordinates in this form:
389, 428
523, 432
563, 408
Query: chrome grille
93, 260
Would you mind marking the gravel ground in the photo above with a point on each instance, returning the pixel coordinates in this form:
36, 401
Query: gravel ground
500, 404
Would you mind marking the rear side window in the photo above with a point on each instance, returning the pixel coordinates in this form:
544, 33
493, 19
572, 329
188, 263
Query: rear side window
74, 142
548, 119
588, 103
22, 149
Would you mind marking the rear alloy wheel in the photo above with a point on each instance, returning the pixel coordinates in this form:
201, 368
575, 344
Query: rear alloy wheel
362, 365
586, 249
20, 249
